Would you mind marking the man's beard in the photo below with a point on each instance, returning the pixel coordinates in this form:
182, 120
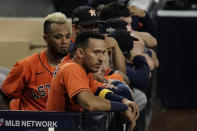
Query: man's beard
58, 54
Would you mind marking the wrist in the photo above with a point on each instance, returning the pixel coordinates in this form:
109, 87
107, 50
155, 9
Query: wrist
114, 97
124, 100
117, 106
143, 14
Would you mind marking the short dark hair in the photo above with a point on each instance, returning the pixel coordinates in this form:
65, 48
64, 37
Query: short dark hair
82, 39
114, 10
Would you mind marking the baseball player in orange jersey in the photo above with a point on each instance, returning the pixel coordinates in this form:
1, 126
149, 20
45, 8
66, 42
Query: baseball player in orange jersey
72, 86
26, 86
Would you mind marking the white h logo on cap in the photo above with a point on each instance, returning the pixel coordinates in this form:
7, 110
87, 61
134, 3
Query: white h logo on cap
92, 12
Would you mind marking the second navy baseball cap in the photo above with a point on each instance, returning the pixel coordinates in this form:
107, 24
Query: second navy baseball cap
85, 15
124, 39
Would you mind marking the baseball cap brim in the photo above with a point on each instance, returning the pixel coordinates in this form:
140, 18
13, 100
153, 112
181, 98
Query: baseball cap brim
91, 22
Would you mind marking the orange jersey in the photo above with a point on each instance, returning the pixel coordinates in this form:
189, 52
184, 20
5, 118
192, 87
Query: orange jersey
70, 80
28, 82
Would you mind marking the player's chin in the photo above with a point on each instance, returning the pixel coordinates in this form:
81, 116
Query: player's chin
64, 50
94, 70
62, 53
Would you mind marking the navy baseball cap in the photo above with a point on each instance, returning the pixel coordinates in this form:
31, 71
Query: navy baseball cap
112, 24
85, 15
124, 39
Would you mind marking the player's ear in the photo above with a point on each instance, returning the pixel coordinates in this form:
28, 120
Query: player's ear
79, 52
45, 37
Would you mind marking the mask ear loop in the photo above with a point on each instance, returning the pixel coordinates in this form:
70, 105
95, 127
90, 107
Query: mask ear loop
127, 54
79, 28
102, 28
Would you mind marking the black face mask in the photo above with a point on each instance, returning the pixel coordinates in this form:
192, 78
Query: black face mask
126, 54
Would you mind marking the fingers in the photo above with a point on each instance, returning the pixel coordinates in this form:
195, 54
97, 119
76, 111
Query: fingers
137, 115
149, 62
134, 106
110, 42
133, 124
135, 109
131, 117
107, 85
137, 112
131, 127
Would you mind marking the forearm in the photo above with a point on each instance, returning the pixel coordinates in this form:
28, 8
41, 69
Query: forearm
117, 102
139, 76
119, 60
101, 104
139, 79
140, 62
108, 94
90, 102
148, 39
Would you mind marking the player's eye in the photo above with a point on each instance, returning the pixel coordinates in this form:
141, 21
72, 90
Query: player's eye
96, 51
58, 36
68, 36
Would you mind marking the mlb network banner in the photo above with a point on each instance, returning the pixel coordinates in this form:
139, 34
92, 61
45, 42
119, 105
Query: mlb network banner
28, 123
27, 119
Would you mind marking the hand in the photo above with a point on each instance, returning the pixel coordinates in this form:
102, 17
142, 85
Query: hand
110, 81
154, 58
128, 113
133, 106
108, 85
110, 42
138, 49
149, 40
136, 11
138, 46
149, 61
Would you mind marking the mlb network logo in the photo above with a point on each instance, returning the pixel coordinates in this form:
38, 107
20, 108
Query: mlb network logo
1, 121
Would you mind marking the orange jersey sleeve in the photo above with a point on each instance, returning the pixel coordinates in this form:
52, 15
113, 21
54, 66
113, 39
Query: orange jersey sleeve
13, 84
28, 82
69, 81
